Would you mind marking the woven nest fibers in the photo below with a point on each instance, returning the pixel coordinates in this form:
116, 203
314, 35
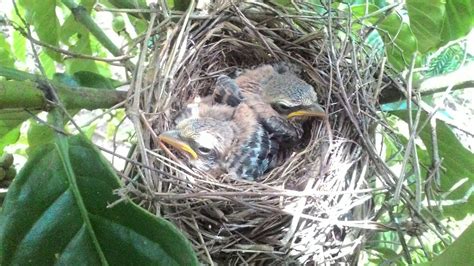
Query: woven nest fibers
314, 207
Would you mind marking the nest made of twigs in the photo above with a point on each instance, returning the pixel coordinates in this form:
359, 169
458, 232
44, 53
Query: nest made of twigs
313, 207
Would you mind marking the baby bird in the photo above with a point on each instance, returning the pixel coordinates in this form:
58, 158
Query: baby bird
276, 94
222, 139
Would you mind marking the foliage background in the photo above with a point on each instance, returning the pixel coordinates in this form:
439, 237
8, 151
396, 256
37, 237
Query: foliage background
437, 31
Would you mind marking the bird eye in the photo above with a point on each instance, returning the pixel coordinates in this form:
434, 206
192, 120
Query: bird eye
280, 107
204, 150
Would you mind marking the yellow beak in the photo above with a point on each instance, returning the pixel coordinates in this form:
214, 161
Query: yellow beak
315, 110
172, 138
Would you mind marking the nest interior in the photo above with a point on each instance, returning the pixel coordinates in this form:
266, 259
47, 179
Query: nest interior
315, 206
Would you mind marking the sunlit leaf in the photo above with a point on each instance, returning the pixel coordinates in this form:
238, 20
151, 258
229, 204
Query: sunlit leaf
437, 22
19, 41
19, 46
78, 38
9, 137
38, 134
6, 55
10, 121
56, 212
48, 65
42, 15
458, 21
447, 61
459, 252
426, 20
400, 43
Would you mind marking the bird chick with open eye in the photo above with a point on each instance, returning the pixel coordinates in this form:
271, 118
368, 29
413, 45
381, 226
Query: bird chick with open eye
219, 139
276, 93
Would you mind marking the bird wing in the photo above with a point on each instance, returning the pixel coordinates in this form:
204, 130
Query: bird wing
280, 128
227, 91
255, 152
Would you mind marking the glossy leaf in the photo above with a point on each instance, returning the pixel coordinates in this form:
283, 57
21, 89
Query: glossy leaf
48, 65
38, 135
9, 137
42, 15
458, 21
400, 43
10, 121
459, 252
19, 46
426, 20
447, 61
6, 55
56, 212
78, 38
19, 41
437, 22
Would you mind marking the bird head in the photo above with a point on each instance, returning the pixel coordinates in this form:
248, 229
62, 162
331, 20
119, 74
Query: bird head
203, 141
291, 96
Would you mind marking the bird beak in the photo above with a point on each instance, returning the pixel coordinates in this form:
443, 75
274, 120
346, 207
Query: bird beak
314, 110
172, 138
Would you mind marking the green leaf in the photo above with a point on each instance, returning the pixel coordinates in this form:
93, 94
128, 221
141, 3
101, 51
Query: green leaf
459, 252
78, 38
6, 55
400, 43
426, 20
437, 22
10, 121
56, 212
19, 41
19, 46
447, 61
42, 15
9, 137
456, 164
48, 65
139, 25
458, 21
38, 135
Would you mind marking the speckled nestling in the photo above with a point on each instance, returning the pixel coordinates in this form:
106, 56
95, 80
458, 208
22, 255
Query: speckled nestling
222, 139
276, 93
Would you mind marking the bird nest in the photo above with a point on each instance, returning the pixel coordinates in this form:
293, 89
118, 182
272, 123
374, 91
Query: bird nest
314, 206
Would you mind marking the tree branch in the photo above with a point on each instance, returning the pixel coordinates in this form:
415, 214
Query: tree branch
460, 79
27, 94
83, 17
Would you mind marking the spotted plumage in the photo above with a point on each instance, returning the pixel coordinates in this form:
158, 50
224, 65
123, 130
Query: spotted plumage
223, 139
278, 96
